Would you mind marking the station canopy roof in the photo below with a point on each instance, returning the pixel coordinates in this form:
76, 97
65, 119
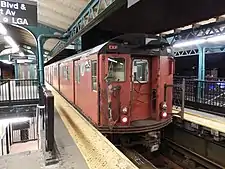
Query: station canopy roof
56, 14
164, 15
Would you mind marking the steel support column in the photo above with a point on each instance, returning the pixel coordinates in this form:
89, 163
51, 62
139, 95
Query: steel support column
16, 70
40, 60
201, 70
201, 63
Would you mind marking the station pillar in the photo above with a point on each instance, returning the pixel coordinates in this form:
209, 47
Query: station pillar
201, 71
16, 70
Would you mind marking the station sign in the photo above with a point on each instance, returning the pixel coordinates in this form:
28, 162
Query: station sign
18, 12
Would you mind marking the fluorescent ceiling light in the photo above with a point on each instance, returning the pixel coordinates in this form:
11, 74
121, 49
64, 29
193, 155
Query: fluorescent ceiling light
6, 62
3, 30
24, 61
216, 38
21, 54
112, 60
14, 120
11, 42
189, 43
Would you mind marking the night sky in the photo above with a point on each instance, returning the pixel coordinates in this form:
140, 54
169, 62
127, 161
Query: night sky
188, 66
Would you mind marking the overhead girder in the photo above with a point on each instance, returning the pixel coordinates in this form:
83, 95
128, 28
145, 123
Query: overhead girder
93, 14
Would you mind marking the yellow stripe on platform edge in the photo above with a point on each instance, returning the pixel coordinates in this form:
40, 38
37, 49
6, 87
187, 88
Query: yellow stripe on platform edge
203, 120
98, 152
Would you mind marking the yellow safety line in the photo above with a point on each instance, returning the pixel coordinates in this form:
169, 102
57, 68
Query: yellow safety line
98, 152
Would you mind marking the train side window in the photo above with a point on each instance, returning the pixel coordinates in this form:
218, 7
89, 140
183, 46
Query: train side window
94, 75
140, 70
116, 69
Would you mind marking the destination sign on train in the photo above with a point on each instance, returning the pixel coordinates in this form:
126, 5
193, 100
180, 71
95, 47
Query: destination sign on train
18, 12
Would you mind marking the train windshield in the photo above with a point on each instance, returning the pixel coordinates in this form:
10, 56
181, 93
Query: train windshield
140, 70
116, 69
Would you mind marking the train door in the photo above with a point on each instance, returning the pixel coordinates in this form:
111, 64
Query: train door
77, 81
74, 82
59, 77
117, 80
141, 87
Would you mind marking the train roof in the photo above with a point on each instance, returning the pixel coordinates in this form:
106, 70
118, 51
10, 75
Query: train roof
129, 43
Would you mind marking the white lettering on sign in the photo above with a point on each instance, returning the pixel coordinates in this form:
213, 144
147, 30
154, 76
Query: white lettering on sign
11, 13
9, 9
5, 4
19, 21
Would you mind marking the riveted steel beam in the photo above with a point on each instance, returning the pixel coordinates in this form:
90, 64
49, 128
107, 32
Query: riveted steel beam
199, 31
93, 14
192, 52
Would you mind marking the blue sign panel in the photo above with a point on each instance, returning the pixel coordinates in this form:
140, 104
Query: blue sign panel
19, 12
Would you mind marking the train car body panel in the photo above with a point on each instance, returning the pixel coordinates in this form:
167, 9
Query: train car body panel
66, 80
86, 89
55, 82
113, 68
122, 86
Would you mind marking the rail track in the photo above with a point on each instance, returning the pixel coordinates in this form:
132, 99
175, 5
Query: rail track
186, 158
170, 156
143, 161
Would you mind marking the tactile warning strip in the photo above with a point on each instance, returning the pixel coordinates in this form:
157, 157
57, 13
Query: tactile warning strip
98, 152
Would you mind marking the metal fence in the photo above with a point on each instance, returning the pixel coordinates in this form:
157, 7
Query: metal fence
18, 92
24, 131
205, 95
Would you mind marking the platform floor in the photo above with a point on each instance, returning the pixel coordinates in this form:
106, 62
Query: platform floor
204, 119
69, 154
99, 152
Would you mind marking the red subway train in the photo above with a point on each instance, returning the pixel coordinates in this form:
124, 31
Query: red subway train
121, 86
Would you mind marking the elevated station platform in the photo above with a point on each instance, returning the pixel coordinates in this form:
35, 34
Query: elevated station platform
97, 151
211, 121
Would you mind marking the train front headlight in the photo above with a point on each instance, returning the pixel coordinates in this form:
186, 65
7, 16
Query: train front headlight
125, 110
124, 119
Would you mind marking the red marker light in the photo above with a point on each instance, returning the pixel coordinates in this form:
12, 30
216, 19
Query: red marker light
113, 47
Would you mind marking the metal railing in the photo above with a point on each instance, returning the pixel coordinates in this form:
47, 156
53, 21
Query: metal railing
205, 95
18, 92
24, 131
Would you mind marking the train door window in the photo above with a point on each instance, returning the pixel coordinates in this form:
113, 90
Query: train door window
78, 74
55, 71
94, 75
140, 70
66, 73
116, 69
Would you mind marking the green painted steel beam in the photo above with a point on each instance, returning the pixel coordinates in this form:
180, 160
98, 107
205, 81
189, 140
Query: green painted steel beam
4, 57
42, 29
203, 31
93, 13
192, 52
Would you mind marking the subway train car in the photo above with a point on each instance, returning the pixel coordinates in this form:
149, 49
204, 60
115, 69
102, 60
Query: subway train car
123, 87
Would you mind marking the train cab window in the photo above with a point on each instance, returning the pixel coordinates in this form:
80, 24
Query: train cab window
140, 70
116, 69
94, 75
